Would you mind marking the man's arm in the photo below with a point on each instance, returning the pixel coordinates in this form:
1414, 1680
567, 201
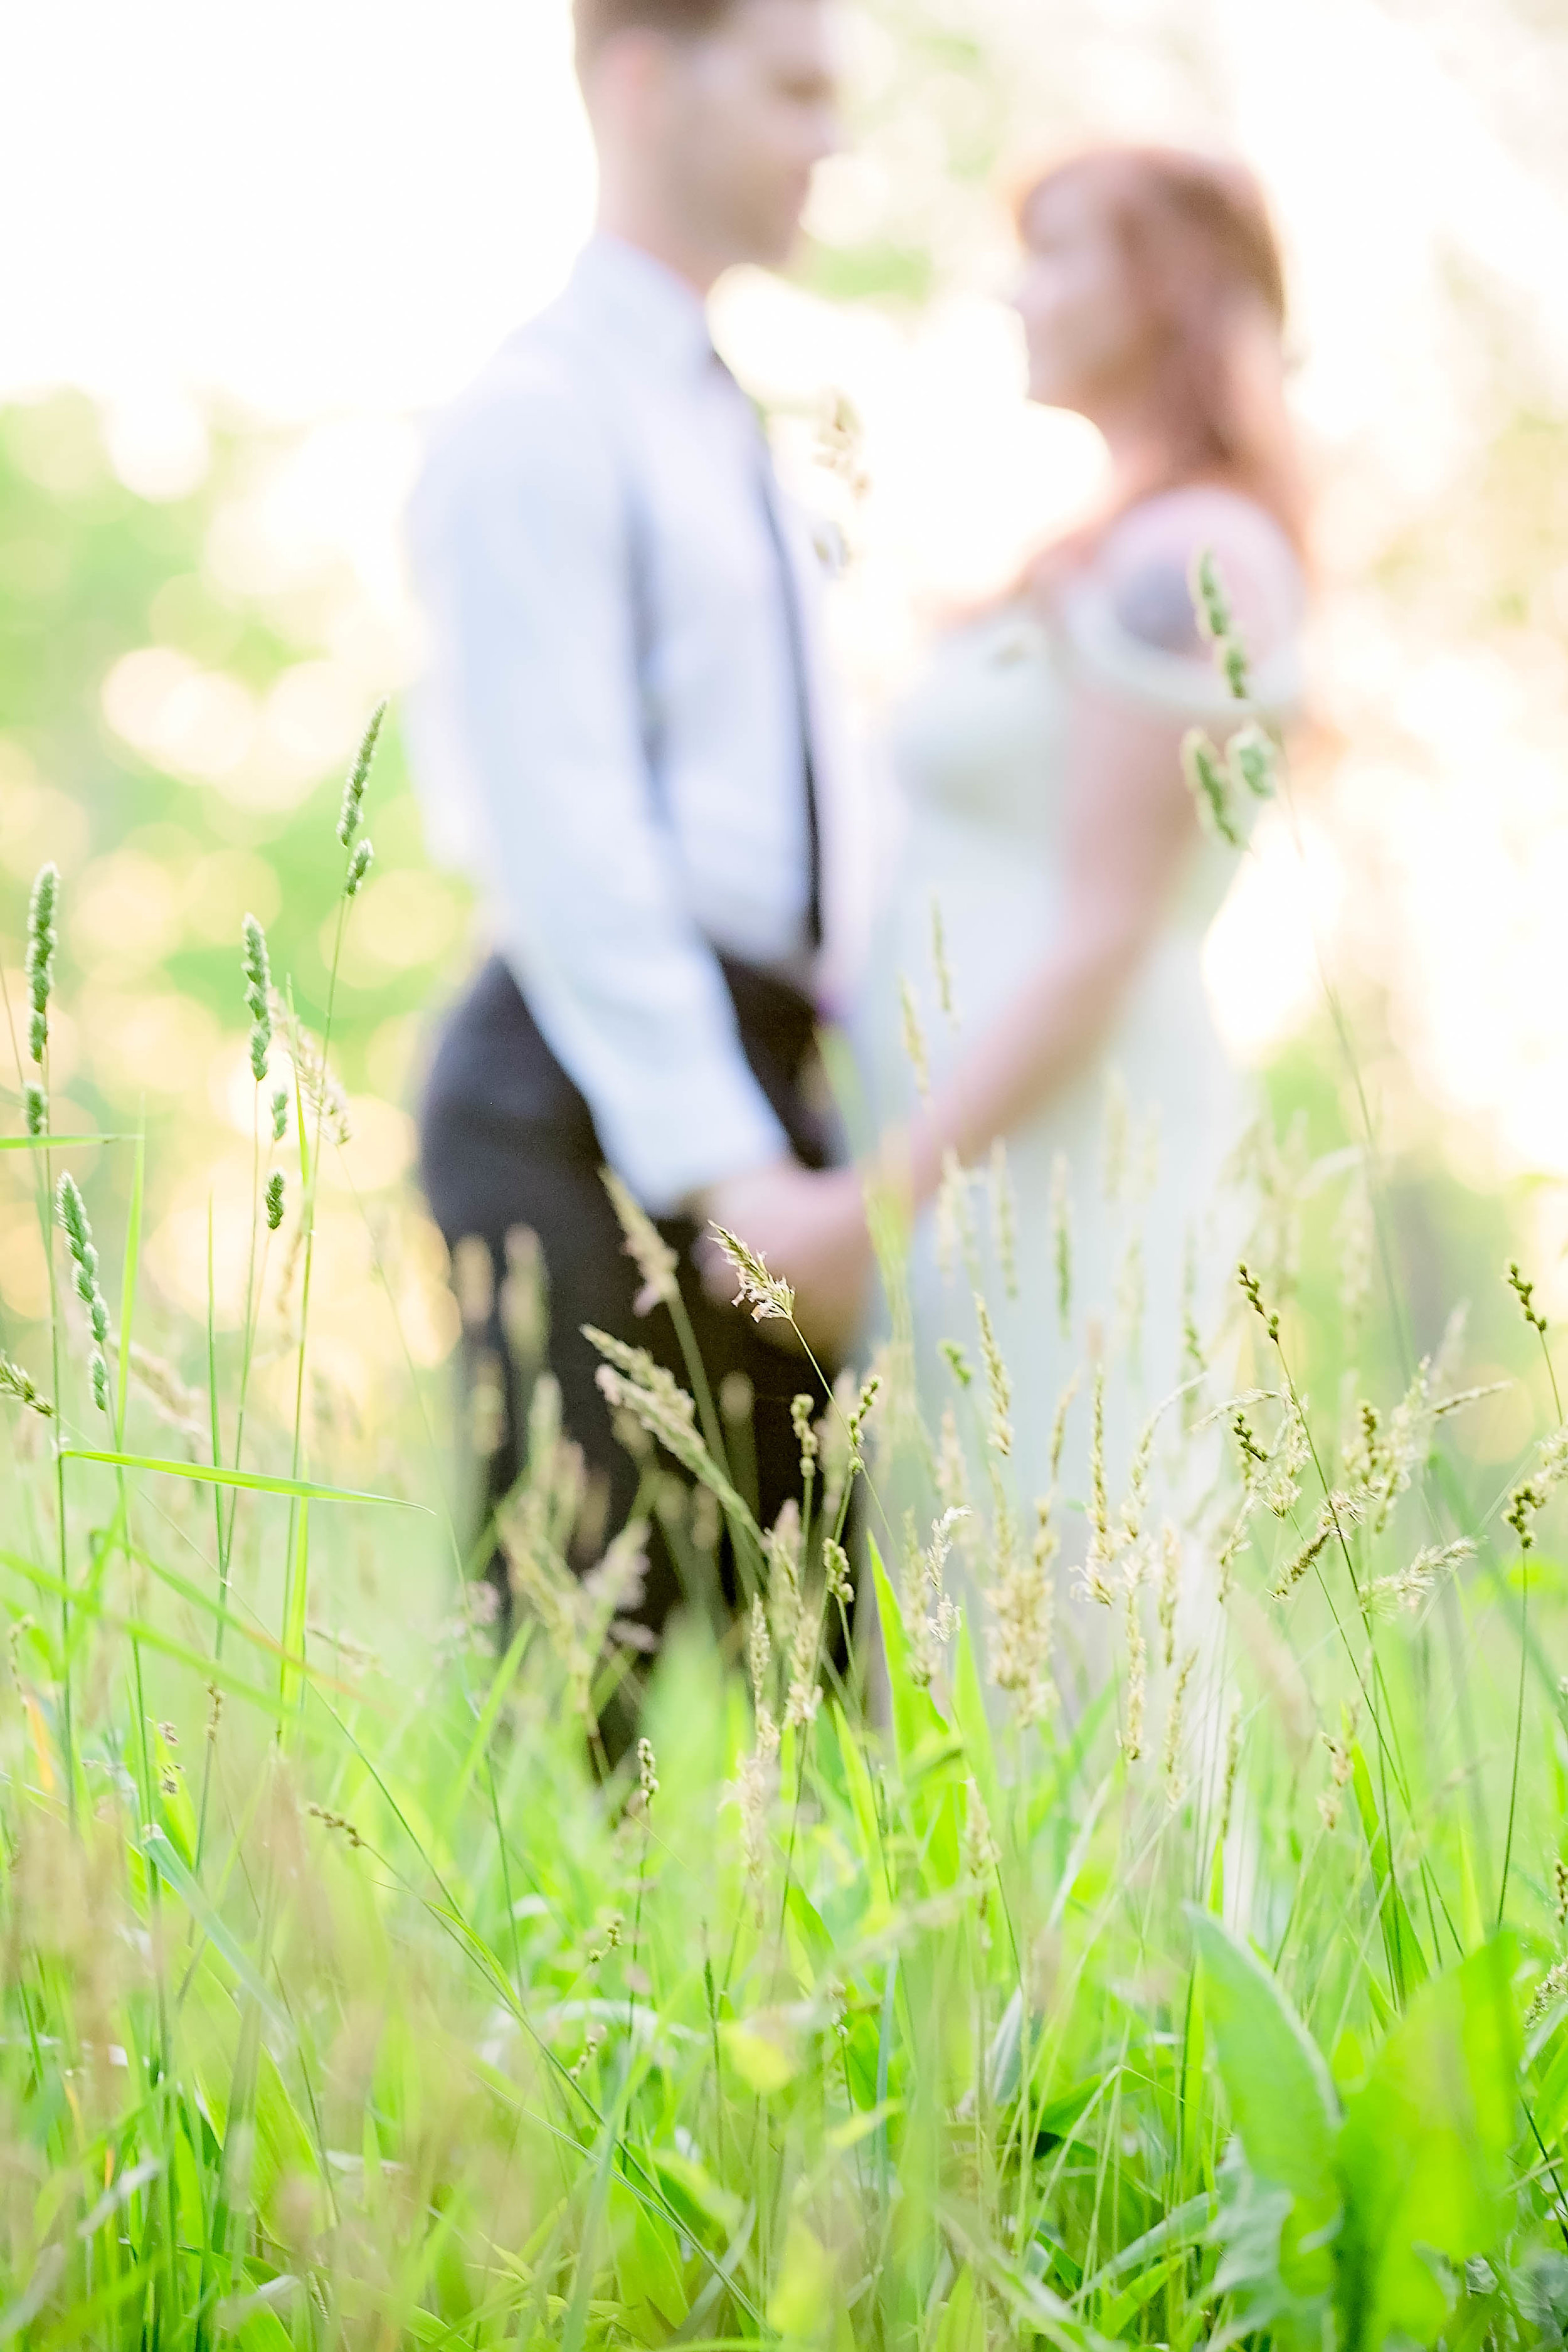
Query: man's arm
518, 540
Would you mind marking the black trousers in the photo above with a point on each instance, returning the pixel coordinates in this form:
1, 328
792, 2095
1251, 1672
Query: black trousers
507, 1142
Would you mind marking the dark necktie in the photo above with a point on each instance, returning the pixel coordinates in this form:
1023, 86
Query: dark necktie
795, 635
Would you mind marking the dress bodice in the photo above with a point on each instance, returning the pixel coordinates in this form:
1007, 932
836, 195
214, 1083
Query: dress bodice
980, 746
983, 754
980, 739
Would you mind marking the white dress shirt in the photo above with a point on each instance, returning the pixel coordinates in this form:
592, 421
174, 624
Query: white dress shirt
609, 730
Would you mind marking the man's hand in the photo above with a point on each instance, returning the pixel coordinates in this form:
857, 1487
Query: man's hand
811, 1229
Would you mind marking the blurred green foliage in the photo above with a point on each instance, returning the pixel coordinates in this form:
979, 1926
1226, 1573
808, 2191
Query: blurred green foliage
89, 573
177, 707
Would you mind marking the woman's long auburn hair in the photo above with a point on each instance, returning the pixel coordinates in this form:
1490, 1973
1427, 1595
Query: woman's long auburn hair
1203, 261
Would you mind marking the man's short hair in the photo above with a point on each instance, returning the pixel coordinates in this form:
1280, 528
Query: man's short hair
597, 21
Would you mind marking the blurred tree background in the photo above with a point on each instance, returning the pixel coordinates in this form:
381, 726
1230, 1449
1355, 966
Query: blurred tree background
197, 615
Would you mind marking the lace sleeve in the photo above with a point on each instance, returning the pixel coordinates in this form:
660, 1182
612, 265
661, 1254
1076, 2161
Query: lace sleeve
1153, 605
1129, 619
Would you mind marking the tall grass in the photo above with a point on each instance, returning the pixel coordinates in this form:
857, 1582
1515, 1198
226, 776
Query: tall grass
1178, 1965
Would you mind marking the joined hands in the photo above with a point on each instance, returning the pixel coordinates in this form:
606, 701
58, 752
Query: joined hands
811, 1229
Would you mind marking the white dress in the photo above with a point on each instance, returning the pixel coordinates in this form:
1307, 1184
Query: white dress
1128, 1158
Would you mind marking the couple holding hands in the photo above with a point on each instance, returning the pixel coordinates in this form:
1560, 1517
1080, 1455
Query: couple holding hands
629, 722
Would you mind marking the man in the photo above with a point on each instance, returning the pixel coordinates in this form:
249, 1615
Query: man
625, 704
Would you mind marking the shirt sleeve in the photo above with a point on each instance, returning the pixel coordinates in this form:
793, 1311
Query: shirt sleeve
518, 555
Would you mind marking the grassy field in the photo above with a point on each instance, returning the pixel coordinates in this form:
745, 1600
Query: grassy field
1170, 1951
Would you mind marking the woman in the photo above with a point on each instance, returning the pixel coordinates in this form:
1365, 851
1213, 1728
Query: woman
1052, 830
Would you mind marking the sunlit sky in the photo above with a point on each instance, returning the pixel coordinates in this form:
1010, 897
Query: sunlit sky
329, 213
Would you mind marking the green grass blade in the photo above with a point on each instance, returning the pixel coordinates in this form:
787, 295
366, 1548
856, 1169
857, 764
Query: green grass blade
504, 1677
55, 1142
295, 1605
158, 1849
1406, 1960
257, 1635
87, 1606
205, 1473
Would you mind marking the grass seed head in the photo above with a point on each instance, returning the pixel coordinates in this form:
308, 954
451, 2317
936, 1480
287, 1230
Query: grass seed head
1210, 601
318, 1082
1210, 787
71, 1211
488, 1414
1061, 1242
1252, 1293
1171, 1762
257, 975
1003, 1218
19, 1385
524, 1300
1553, 1989
275, 1201
1022, 1601
981, 1856
1170, 1590
474, 1280
43, 939
646, 1246
930, 1616
914, 1038
768, 1298
1253, 759
1000, 1433
1216, 617
1095, 1582
360, 859
1525, 1293
1278, 1476
1060, 1425
182, 1407
804, 1695
759, 1651
1137, 1667
352, 804
939, 962
1341, 1772
800, 1419
781, 1549
1411, 1586
1301, 1560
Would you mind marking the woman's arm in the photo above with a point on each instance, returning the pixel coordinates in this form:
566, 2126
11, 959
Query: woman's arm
1131, 821
1130, 826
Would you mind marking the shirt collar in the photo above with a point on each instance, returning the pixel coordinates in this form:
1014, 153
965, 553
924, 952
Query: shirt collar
628, 291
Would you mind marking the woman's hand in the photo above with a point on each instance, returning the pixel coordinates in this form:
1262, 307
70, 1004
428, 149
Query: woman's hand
811, 1229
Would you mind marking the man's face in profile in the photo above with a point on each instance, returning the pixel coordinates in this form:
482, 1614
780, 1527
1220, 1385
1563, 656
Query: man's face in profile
751, 112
